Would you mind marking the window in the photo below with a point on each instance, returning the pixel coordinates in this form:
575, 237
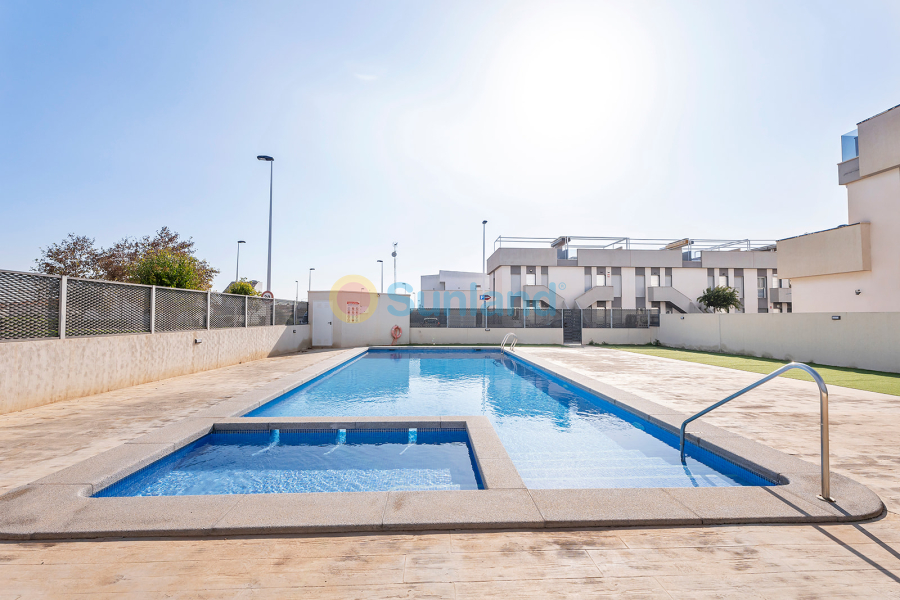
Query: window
761, 287
601, 279
654, 281
530, 279
639, 291
739, 286
723, 280
617, 286
668, 277
515, 280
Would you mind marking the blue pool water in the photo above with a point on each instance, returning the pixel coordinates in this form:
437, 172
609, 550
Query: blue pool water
354, 460
557, 435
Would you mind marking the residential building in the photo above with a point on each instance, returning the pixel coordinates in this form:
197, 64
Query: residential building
452, 289
580, 272
855, 267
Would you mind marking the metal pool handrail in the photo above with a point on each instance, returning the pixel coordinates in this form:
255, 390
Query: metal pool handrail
512, 345
823, 418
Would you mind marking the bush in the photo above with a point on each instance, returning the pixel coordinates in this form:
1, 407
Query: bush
242, 287
167, 268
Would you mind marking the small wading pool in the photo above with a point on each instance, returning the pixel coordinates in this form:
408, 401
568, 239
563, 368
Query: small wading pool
297, 461
557, 435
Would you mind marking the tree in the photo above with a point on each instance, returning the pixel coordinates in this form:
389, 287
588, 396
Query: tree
131, 260
116, 262
242, 287
720, 297
75, 256
168, 268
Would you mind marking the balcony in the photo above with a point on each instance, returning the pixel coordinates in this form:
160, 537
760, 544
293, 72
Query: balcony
844, 249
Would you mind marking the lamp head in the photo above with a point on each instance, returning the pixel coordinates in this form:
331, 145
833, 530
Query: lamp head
265, 158
379, 260
241, 242
484, 222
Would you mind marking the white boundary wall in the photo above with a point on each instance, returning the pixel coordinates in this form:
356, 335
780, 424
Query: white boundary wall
859, 340
38, 372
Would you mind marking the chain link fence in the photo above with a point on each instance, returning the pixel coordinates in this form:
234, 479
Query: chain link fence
37, 306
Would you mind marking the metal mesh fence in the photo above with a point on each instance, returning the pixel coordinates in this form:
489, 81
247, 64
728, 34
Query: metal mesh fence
284, 312
595, 318
461, 318
512, 318
428, 317
29, 306
104, 308
630, 318
227, 311
506, 317
180, 310
259, 311
543, 318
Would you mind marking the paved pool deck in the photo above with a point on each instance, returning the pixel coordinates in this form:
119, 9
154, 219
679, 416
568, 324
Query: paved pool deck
750, 561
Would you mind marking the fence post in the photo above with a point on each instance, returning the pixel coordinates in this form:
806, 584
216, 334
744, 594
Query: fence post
295, 312
246, 302
152, 309
63, 284
208, 309
448, 317
524, 317
272, 320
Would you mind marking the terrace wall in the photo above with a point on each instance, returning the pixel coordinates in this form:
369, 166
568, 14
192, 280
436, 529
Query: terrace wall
858, 340
38, 372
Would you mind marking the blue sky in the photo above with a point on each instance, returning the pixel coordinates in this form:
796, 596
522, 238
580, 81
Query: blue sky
414, 121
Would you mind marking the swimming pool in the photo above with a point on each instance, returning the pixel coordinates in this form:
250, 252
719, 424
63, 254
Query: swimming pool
309, 461
558, 436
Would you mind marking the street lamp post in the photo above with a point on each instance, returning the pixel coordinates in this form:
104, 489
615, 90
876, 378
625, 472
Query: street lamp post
484, 272
269, 160
296, 299
237, 268
394, 254
309, 289
382, 274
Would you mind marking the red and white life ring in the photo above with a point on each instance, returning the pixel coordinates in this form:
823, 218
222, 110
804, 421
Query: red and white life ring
396, 332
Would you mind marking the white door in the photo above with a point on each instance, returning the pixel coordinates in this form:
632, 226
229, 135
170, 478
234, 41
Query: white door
321, 325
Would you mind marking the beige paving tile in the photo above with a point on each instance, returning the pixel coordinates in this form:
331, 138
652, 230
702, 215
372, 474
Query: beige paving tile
478, 566
627, 587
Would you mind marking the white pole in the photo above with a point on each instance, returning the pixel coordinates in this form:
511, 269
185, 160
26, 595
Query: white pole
269, 267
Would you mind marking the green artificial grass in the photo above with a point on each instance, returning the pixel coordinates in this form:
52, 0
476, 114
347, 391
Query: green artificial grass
858, 379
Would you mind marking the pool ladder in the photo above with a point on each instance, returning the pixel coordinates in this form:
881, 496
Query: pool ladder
823, 418
512, 345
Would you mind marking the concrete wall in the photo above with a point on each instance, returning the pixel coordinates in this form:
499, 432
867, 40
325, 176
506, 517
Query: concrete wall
34, 373
879, 142
447, 335
375, 330
618, 336
859, 340
841, 250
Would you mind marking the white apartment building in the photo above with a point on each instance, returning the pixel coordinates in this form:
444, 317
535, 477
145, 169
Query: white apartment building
855, 267
579, 272
452, 289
